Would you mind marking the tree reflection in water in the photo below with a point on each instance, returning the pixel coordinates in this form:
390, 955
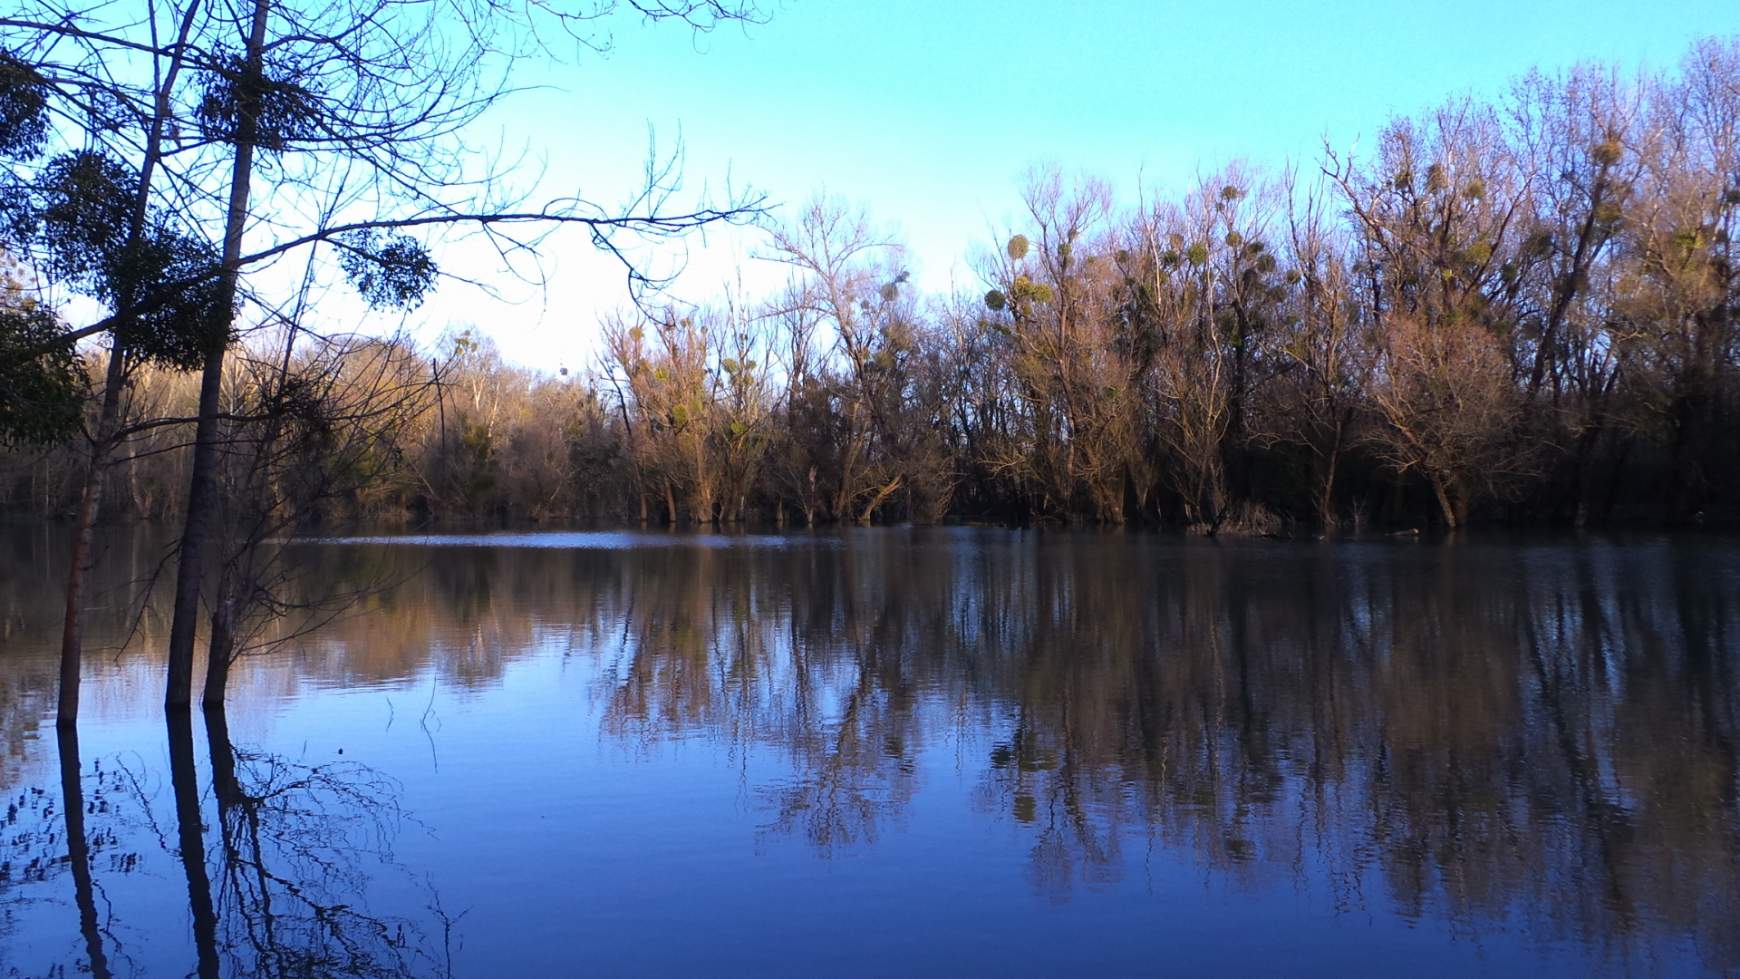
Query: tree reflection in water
1535, 739
278, 873
1485, 734
79, 847
294, 845
84, 831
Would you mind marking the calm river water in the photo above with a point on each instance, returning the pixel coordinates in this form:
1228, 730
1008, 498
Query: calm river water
895, 752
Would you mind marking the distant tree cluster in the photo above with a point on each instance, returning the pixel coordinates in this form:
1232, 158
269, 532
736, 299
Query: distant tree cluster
1524, 309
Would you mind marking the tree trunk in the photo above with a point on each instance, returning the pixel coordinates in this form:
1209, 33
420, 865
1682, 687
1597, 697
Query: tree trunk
1326, 491
202, 488
222, 651
195, 539
83, 557
1326, 496
141, 504
882, 494
1583, 476
1208, 507
1452, 514
1691, 415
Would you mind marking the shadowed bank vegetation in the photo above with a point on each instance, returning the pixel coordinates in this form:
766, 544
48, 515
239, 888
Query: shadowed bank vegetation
1522, 309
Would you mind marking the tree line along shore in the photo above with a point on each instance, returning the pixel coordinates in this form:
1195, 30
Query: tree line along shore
1521, 310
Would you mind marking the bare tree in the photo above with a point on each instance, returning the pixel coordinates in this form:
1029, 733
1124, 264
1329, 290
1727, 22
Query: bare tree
1320, 351
847, 281
1446, 398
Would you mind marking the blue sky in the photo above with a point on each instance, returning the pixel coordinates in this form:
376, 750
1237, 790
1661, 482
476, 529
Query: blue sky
926, 114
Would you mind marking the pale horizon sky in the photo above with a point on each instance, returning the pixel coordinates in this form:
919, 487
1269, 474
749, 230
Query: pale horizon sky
927, 114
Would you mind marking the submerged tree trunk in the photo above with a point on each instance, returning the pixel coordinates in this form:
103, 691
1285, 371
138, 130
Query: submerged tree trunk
1447, 504
221, 652
1326, 497
882, 494
202, 489
1331, 462
195, 539
83, 557
1209, 510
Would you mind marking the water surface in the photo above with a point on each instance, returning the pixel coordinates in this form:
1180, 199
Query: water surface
896, 752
